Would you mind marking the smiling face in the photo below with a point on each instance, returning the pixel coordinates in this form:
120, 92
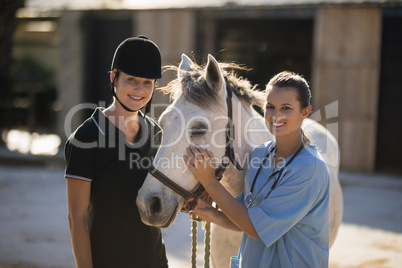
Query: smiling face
134, 92
283, 112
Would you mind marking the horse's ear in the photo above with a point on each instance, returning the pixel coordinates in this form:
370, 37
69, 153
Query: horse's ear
213, 74
185, 65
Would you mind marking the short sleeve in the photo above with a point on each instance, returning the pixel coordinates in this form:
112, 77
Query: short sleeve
288, 203
79, 162
240, 197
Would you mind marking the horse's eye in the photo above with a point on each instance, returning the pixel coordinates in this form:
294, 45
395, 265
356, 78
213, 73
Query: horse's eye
198, 131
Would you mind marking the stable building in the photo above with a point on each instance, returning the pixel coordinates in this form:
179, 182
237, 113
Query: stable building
348, 50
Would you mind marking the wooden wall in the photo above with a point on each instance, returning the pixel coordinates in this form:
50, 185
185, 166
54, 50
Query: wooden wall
346, 70
70, 76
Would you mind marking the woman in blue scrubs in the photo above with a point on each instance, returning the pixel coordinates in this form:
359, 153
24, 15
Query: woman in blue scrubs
284, 208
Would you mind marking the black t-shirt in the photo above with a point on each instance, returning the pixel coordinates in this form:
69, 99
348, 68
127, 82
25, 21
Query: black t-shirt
99, 153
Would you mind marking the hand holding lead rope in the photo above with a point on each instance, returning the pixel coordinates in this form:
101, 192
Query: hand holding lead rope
203, 202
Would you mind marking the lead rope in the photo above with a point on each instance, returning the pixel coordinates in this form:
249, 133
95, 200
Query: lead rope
194, 244
194, 226
207, 242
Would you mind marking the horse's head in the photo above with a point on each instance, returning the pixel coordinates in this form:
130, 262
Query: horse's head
198, 115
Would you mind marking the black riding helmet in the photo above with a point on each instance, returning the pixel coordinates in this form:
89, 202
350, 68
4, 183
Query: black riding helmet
137, 56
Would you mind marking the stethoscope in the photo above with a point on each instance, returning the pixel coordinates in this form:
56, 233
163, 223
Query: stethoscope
250, 198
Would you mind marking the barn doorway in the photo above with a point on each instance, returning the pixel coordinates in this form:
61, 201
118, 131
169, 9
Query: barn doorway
268, 46
102, 36
389, 126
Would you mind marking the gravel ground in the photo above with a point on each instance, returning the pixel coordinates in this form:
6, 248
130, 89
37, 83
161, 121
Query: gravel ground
34, 228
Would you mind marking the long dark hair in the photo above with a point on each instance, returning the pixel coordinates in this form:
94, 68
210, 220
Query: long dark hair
296, 81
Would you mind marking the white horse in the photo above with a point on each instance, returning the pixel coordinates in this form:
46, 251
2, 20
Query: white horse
198, 115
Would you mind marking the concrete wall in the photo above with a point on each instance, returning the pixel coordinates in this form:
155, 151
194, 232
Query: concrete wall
346, 69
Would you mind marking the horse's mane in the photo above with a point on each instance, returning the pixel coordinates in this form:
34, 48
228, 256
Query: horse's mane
196, 91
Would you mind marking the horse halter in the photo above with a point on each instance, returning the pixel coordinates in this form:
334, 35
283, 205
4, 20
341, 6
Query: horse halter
225, 162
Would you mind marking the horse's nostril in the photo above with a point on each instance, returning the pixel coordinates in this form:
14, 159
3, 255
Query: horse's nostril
155, 205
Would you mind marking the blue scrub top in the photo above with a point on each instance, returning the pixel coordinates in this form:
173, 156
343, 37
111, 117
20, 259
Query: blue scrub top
293, 222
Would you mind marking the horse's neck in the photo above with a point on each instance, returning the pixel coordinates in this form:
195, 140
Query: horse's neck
250, 131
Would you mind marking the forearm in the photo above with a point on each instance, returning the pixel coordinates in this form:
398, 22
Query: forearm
225, 222
81, 243
233, 209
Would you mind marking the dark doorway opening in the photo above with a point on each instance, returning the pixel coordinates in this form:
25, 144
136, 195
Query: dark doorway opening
102, 36
268, 46
389, 126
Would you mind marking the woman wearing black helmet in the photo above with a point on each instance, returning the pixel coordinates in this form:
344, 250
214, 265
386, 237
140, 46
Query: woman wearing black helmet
106, 164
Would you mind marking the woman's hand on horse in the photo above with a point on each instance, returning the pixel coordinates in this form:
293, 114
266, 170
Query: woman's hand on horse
199, 161
186, 208
204, 196
203, 208
205, 211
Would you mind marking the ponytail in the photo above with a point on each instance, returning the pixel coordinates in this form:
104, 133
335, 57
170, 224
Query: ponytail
305, 138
